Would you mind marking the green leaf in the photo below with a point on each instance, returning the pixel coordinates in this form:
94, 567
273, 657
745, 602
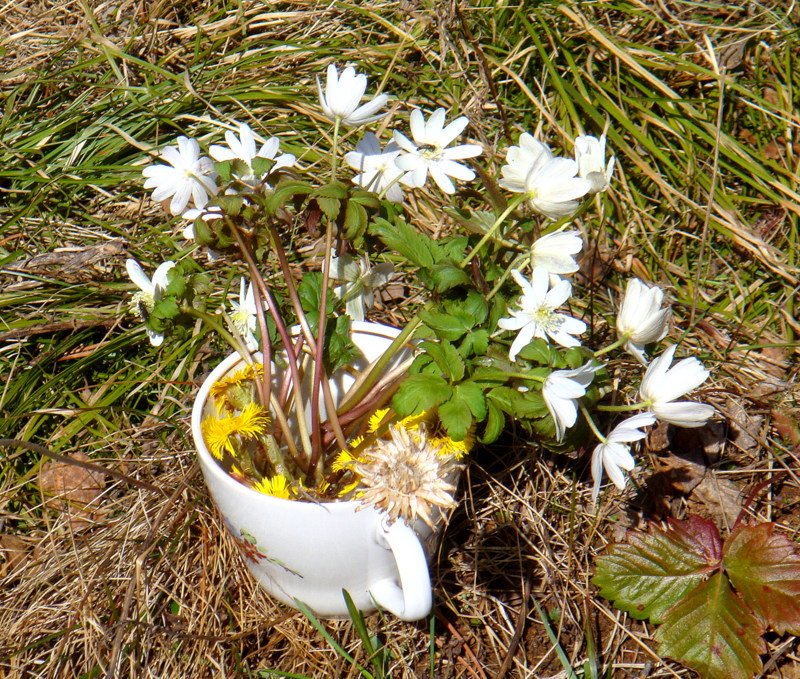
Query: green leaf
355, 220
456, 414
330, 206
446, 275
655, 570
446, 326
262, 166
713, 632
455, 418
420, 392
538, 351
471, 395
475, 343
284, 192
336, 190
765, 570
231, 205
446, 357
416, 248
339, 347
495, 422
310, 292
473, 305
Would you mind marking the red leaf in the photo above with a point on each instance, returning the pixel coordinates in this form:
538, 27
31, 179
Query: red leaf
713, 632
765, 569
700, 535
656, 569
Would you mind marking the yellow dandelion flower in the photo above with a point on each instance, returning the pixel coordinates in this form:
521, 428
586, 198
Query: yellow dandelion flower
277, 486
412, 422
376, 419
248, 373
252, 420
217, 433
343, 461
447, 446
349, 488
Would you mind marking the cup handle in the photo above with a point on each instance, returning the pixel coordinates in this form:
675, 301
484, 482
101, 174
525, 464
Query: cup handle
411, 599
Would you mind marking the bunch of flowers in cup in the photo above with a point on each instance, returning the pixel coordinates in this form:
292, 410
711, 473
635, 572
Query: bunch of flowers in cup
497, 335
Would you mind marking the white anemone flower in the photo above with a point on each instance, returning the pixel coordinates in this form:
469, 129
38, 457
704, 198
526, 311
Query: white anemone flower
377, 168
641, 320
519, 161
143, 302
537, 316
361, 280
661, 385
243, 148
427, 153
188, 175
613, 455
244, 315
556, 252
561, 391
551, 184
342, 96
590, 154
553, 189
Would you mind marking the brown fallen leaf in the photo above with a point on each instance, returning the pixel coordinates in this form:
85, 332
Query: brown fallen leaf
73, 490
717, 497
15, 551
745, 428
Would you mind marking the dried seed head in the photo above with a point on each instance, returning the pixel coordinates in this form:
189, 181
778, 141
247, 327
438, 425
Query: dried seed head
406, 476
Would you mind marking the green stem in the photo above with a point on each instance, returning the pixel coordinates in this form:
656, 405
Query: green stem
354, 397
488, 235
623, 409
591, 422
314, 468
335, 148
220, 329
613, 345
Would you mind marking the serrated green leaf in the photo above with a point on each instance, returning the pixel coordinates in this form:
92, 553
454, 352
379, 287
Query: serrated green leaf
446, 326
262, 166
355, 220
711, 631
475, 343
336, 190
330, 206
284, 192
420, 392
538, 351
416, 248
231, 205
310, 292
445, 276
503, 398
654, 570
455, 416
765, 570
473, 397
446, 357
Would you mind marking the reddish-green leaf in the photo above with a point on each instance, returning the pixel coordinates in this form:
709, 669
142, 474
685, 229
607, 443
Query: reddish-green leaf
654, 570
713, 632
765, 569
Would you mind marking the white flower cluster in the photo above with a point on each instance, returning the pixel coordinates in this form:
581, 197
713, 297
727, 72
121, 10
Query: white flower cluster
640, 321
552, 186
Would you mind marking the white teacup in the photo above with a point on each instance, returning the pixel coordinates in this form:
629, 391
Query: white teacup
312, 551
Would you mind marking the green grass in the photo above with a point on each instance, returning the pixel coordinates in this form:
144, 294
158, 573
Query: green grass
702, 204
